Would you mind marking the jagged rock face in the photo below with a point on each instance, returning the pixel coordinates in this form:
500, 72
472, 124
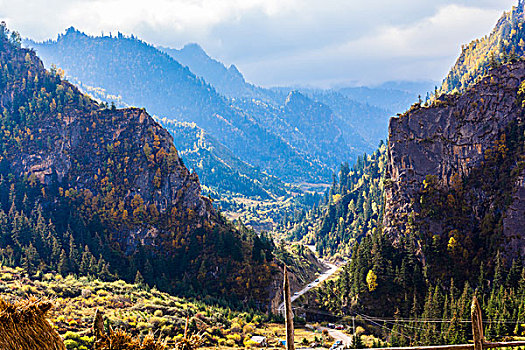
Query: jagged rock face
514, 219
76, 145
120, 160
450, 139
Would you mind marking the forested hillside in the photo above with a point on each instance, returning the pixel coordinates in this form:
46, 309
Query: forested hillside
453, 208
218, 167
505, 43
388, 282
86, 189
453, 220
354, 116
307, 125
351, 210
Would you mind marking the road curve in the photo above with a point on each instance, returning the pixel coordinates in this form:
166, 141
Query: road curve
322, 277
338, 335
334, 333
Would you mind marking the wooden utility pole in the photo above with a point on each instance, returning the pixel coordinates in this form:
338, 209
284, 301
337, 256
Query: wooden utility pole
477, 324
288, 312
353, 328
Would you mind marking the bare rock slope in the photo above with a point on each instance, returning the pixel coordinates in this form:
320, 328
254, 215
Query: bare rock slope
445, 146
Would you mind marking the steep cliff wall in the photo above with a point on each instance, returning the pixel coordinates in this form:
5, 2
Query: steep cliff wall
443, 147
116, 160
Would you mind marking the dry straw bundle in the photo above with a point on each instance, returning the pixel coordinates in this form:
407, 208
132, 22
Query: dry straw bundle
120, 340
23, 326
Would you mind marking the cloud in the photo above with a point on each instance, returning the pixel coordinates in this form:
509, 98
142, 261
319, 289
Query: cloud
423, 49
283, 41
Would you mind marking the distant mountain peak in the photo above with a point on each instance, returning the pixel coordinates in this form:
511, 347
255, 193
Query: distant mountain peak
228, 81
72, 31
194, 49
233, 70
296, 97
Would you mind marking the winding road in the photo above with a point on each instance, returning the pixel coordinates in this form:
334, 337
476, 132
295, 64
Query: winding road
322, 277
336, 334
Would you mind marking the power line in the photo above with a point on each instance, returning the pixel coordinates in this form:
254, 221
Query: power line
409, 320
413, 327
434, 320
388, 329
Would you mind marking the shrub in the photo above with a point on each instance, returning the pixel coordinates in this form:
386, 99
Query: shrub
248, 328
86, 340
250, 343
143, 325
6, 276
86, 293
71, 344
157, 321
235, 327
72, 335
158, 313
235, 337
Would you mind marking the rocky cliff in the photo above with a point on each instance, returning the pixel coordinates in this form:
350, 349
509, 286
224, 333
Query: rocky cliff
455, 168
122, 158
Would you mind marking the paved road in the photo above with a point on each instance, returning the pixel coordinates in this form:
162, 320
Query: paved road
338, 335
332, 269
334, 333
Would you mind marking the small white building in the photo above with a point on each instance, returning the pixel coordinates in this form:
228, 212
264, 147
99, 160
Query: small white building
259, 340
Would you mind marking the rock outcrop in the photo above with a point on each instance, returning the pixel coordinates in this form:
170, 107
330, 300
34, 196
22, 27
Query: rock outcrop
447, 141
121, 157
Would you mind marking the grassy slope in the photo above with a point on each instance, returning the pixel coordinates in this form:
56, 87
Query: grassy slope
139, 310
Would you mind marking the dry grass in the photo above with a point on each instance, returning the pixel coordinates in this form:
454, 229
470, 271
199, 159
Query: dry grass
120, 340
23, 326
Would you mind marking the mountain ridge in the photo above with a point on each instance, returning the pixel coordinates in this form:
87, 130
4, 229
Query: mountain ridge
183, 96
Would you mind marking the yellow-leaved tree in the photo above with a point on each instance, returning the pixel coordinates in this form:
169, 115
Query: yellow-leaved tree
371, 280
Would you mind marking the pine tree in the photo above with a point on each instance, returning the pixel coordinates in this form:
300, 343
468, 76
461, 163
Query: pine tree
139, 280
63, 264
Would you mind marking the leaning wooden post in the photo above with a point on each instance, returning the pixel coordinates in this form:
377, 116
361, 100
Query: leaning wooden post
288, 312
98, 325
477, 324
186, 327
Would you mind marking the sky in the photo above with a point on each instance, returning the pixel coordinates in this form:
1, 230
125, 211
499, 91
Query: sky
320, 43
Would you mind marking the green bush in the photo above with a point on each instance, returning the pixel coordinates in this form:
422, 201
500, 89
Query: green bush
72, 336
71, 344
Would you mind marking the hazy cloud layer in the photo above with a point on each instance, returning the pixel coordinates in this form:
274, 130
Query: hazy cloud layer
276, 42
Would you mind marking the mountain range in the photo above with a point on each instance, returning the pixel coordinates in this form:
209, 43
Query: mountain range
295, 135
426, 221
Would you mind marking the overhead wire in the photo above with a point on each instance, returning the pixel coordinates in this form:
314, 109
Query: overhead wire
388, 329
435, 320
